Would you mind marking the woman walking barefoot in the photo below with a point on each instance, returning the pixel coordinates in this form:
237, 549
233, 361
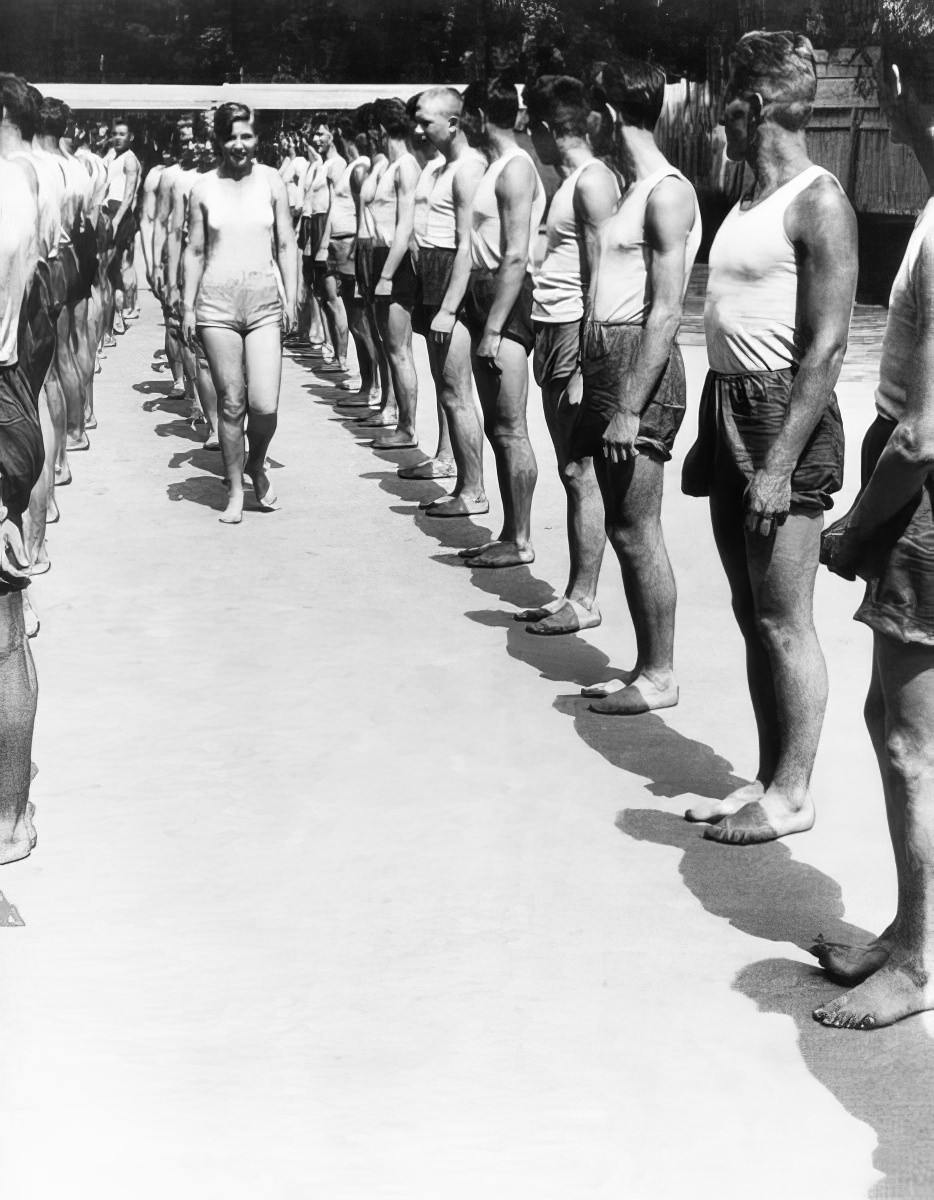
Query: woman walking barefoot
240, 244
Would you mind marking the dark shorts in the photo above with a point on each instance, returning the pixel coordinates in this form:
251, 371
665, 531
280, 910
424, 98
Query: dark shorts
84, 241
21, 449
478, 301
319, 223
304, 235
607, 353
36, 334
321, 271
433, 269
363, 267
404, 282
308, 271
557, 350
74, 286
125, 232
58, 287
899, 599
739, 418
348, 289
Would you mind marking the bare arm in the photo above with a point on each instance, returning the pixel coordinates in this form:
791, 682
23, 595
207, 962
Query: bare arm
515, 189
596, 199
194, 261
466, 181
406, 179
822, 227
669, 219
286, 254
160, 232
173, 244
908, 458
148, 217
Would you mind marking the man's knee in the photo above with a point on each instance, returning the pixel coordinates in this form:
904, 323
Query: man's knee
779, 629
910, 754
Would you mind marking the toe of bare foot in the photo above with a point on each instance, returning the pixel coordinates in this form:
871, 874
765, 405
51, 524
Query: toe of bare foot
635, 698
501, 555
716, 810
432, 468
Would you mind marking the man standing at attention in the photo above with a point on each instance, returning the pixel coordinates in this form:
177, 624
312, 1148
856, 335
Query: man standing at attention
769, 452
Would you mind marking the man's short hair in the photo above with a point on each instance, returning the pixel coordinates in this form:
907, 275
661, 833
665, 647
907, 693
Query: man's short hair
53, 117
321, 119
227, 115
780, 67
561, 102
20, 104
635, 89
392, 116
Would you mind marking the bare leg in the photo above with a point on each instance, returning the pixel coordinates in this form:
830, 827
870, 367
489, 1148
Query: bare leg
263, 354
450, 366
904, 983
503, 400
632, 499
367, 356
394, 322
207, 394
224, 351
18, 694
585, 520
34, 520
69, 380
335, 316
782, 570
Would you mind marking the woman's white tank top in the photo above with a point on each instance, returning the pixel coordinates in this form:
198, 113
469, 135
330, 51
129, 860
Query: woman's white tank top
486, 234
752, 288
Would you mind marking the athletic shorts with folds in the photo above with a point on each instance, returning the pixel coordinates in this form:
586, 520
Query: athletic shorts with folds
557, 350
739, 419
481, 290
434, 267
243, 304
404, 282
607, 353
899, 598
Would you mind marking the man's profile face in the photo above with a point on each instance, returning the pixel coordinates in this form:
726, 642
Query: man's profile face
739, 124
121, 137
187, 148
322, 140
433, 121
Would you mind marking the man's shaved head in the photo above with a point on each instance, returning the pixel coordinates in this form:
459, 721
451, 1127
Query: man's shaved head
445, 98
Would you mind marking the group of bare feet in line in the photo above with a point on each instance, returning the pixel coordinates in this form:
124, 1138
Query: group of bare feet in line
428, 217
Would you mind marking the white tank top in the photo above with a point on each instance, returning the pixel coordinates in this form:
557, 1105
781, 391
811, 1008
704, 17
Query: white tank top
486, 234
51, 199
240, 222
621, 285
752, 288
441, 226
558, 294
427, 182
116, 177
384, 204
902, 326
18, 245
343, 210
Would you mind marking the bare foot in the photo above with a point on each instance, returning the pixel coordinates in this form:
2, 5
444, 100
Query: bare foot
263, 490
382, 420
642, 695
853, 964
773, 816
30, 617
90, 421
212, 442
473, 551
233, 513
62, 473
43, 563
571, 616
609, 686
457, 506
715, 810
77, 443
400, 440
900, 987
22, 839
52, 515
431, 468
502, 554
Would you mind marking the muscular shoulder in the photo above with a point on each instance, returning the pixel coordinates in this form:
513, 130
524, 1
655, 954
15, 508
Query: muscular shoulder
151, 182
336, 168
26, 166
822, 211
517, 176
671, 205
596, 192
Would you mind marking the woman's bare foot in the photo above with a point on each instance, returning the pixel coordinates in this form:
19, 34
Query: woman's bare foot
776, 814
901, 987
715, 810
233, 513
263, 490
22, 839
853, 964
644, 694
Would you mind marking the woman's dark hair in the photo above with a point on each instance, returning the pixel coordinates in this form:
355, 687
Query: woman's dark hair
635, 89
21, 104
227, 115
561, 102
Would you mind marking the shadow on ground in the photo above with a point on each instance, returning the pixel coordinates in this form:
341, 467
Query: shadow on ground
884, 1078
